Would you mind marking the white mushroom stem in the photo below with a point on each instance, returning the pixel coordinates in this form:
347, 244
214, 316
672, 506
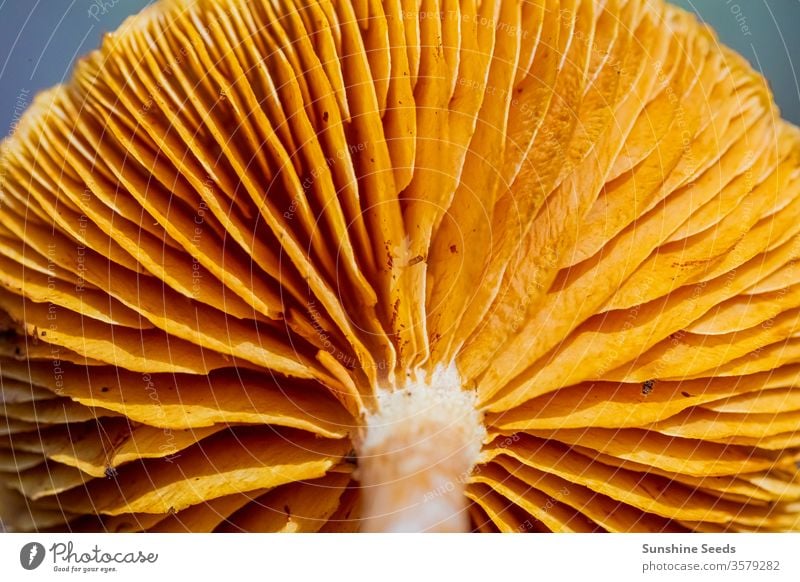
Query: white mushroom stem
415, 455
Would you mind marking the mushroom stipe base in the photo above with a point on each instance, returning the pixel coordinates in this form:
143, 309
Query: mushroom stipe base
416, 452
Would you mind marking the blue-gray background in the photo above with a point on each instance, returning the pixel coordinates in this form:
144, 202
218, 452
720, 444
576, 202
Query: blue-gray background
40, 40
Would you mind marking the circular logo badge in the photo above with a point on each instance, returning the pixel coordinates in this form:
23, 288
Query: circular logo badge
31, 555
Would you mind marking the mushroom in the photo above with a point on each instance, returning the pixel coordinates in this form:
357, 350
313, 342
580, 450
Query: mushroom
338, 266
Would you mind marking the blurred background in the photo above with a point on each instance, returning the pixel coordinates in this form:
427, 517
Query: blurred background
41, 39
